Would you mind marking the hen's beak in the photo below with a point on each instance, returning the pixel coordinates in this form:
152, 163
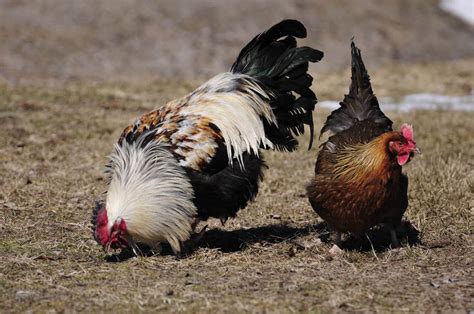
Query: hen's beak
417, 151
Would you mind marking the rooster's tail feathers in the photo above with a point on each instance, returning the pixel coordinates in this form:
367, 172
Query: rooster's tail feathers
275, 61
360, 104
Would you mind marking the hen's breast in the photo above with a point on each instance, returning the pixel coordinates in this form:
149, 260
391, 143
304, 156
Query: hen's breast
356, 186
346, 207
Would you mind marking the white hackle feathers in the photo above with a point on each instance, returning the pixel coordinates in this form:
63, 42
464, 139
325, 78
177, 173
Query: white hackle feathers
151, 192
236, 104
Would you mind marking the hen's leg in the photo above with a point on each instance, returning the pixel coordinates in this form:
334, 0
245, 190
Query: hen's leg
393, 236
336, 248
338, 239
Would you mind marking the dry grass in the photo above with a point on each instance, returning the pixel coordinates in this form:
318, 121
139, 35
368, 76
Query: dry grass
273, 257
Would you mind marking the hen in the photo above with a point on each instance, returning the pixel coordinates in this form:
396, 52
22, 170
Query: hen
199, 156
358, 180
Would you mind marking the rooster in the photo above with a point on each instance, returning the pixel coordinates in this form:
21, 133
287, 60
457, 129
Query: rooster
358, 180
199, 156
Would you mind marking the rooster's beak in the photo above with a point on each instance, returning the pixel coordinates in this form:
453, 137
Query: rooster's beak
417, 151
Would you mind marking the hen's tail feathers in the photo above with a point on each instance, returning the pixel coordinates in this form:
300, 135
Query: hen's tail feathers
360, 104
274, 59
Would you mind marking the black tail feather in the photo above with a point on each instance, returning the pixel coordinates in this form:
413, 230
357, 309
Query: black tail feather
274, 59
360, 78
360, 104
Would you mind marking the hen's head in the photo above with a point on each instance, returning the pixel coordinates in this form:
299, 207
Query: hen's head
109, 235
402, 145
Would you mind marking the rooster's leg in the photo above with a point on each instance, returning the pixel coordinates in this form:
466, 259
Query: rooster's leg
156, 249
190, 245
198, 236
194, 223
393, 236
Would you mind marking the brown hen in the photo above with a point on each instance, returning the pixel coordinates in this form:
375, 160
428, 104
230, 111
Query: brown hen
358, 180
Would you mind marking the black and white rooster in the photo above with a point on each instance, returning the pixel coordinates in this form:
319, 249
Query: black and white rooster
198, 156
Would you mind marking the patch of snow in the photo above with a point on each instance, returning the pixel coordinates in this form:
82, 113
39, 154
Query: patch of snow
328, 104
423, 101
463, 9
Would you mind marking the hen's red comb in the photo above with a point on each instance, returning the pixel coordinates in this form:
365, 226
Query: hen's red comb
407, 131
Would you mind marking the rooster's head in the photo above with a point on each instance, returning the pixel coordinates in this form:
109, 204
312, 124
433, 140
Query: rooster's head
111, 235
402, 146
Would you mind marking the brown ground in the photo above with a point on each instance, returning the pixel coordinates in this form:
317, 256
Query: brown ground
273, 257
53, 41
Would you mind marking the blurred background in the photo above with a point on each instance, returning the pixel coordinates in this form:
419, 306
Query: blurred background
58, 42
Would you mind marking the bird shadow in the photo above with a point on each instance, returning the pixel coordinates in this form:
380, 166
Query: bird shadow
228, 241
241, 239
378, 238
